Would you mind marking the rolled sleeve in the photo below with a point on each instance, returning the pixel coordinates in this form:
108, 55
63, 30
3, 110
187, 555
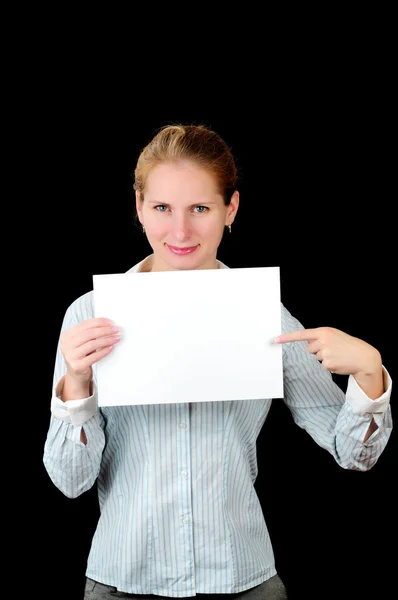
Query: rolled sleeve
362, 404
75, 412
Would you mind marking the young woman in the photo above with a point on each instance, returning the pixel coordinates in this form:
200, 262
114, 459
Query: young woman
179, 513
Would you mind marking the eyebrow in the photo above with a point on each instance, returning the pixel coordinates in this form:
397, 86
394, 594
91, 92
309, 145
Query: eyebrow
166, 204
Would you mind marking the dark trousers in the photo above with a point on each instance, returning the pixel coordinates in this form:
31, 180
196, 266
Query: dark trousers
272, 589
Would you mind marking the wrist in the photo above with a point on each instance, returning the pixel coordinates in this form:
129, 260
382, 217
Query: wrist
373, 366
73, 389
370, 378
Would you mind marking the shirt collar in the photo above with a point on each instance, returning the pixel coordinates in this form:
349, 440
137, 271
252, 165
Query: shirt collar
143, 265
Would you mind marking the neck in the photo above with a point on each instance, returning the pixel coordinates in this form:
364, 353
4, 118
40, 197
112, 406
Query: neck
154, 265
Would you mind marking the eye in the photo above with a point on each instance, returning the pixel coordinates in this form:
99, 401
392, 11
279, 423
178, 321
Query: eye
159, 206
205, 209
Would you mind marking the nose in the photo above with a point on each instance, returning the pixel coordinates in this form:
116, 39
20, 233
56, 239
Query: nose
181, 227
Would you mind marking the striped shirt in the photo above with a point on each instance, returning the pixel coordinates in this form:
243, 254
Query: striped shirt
179, 514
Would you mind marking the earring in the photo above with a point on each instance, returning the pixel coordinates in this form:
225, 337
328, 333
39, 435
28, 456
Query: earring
229, 227
143, 229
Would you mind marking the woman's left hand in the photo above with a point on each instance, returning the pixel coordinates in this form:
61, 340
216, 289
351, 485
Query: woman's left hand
337, 351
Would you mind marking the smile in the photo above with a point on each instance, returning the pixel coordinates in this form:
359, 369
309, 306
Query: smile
182, 251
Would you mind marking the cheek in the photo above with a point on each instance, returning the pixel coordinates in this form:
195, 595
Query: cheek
211, 229
157, 228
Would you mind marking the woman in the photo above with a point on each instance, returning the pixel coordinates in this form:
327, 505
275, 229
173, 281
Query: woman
179, 513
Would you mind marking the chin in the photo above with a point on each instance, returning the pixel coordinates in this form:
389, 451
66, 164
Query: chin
188, 262
184, 262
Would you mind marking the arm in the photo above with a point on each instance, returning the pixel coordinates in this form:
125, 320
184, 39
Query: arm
353, 427
75, 438
373, 383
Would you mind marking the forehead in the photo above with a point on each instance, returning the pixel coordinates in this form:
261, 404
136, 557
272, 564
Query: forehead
180, 180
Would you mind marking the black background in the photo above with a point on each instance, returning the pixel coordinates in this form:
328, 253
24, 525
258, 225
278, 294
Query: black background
316, 171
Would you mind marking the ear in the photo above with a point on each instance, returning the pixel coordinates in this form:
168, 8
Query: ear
232, 208
138, 206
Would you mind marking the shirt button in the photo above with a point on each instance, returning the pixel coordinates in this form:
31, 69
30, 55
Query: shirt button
184, 474
185, 520
183, 425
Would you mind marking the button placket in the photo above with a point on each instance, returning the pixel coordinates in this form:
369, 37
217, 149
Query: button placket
184, 493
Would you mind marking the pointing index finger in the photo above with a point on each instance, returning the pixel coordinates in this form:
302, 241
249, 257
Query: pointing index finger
301, 335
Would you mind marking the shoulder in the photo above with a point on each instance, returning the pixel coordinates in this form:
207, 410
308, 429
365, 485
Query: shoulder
80, 309
289, 322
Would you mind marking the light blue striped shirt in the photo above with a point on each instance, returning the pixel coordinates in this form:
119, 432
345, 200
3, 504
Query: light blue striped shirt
179, 511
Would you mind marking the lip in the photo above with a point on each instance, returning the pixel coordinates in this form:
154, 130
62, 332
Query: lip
182, 251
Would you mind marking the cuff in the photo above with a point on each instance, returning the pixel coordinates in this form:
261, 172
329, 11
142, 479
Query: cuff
75, 412
361, 403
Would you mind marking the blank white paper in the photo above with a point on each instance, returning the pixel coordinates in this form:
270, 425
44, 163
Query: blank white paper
191, 336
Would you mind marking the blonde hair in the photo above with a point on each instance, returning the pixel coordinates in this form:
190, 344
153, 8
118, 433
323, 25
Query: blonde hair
196, 143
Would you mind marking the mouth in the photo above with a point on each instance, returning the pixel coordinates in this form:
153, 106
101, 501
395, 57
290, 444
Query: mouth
182, 251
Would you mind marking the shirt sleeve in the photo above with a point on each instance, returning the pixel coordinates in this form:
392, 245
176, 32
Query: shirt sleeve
337, 421
73, 466
76, 412
362, 404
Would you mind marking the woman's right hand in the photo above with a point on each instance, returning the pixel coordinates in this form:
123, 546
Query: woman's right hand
83, 345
